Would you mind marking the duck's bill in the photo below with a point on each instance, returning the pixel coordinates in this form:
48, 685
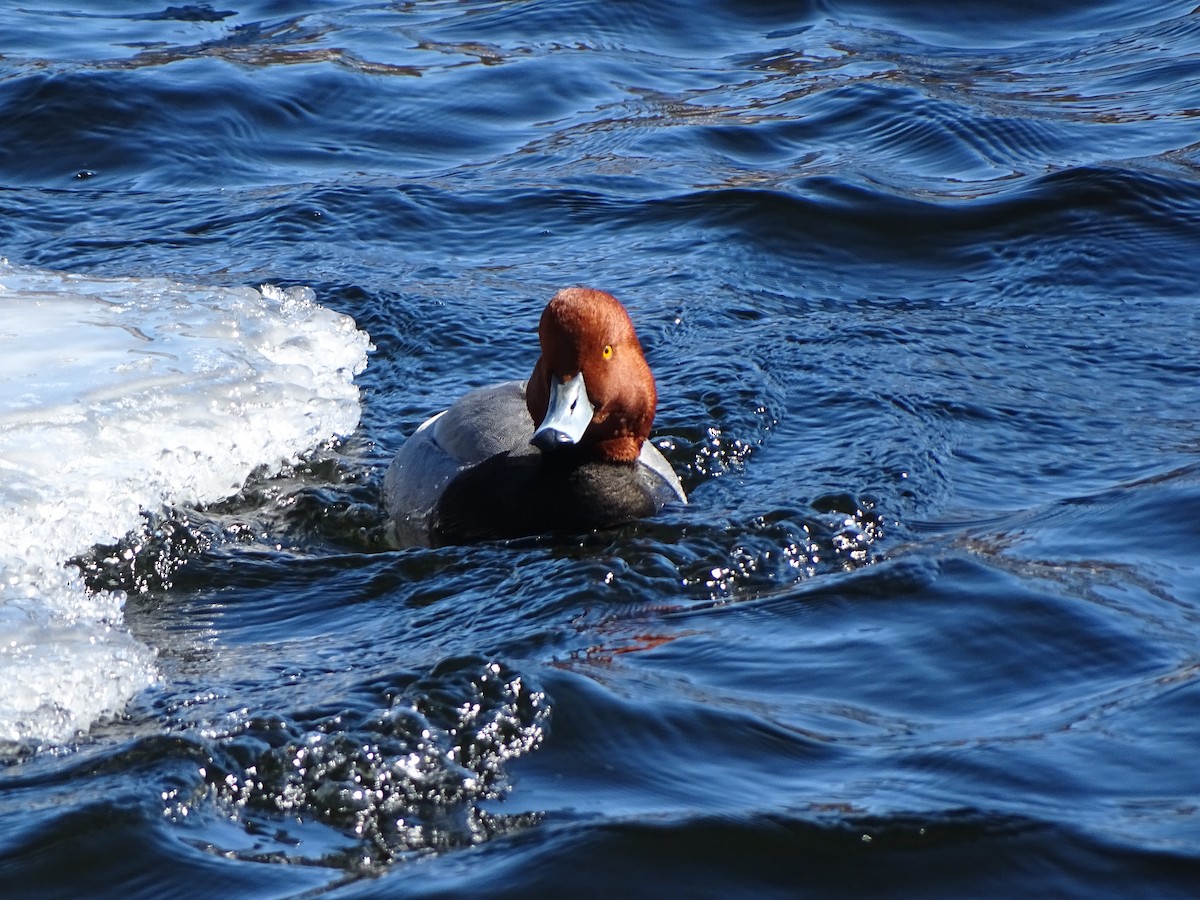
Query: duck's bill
568, 416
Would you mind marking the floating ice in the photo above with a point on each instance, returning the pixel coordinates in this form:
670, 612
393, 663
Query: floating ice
123, 395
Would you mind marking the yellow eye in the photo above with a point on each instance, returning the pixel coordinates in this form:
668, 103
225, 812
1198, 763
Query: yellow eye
607, 354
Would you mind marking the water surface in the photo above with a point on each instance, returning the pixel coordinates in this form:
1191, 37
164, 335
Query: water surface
919, 290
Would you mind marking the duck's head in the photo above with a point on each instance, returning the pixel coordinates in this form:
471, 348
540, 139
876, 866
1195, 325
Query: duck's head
592, 388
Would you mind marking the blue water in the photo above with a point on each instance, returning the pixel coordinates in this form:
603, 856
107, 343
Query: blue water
920, 290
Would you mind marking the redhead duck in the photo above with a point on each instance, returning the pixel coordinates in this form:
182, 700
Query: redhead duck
564, 451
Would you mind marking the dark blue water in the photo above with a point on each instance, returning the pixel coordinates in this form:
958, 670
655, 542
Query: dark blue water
920, 288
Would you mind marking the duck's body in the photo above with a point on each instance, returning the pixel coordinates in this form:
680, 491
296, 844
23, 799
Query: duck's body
565, 451
470, 473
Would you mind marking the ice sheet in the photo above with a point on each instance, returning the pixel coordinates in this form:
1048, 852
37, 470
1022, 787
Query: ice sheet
123, 395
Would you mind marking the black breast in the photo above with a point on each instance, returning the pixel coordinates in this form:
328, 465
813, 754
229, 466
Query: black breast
509, 496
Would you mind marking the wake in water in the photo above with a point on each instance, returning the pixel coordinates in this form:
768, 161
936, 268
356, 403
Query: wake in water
121, 396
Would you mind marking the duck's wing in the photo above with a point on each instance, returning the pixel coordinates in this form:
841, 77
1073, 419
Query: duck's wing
667, 488
479, 425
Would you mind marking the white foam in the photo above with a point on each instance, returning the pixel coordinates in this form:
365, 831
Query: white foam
123, 395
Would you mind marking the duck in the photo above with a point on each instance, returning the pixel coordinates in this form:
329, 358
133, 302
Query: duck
565, 451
